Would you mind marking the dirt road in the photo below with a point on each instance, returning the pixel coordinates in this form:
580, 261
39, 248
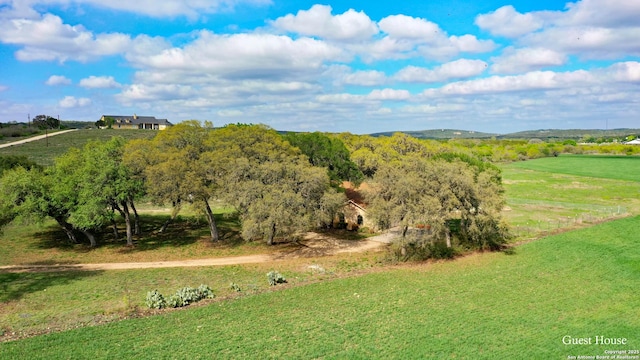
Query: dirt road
35, 138
314, 244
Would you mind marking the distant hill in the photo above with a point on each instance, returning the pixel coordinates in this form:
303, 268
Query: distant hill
542, 134
441, 134
574, 134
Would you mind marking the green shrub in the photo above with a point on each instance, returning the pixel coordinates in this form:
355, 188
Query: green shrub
205, 292
155, 300
183, 297
175, 301
275, 278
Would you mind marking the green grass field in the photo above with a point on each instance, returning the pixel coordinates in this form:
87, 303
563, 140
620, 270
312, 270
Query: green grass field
581, 283
597, 166
44, 151
485, 306
552, 194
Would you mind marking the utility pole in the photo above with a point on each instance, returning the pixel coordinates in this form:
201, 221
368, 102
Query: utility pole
29, 119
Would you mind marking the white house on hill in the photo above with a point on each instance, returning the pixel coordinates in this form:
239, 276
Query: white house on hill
136, 122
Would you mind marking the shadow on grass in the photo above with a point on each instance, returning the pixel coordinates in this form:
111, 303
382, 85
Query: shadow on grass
14, 286
183, 231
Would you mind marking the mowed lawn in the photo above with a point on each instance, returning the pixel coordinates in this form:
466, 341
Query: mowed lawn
580, 284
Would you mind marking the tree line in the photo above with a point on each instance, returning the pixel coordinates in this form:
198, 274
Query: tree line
279, 185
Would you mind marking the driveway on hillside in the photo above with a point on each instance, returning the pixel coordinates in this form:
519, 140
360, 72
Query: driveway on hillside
35, 138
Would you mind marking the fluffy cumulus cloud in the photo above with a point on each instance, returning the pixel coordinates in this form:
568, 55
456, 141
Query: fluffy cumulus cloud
73, 102
55, 80
48, 38
508, 22
243, 55
99, 82
458, 69
603, 13
526, 59
407, 37
319, 22
589, 29
407, 27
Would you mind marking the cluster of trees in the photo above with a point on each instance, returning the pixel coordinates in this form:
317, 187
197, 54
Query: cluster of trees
280, 185
455, 196
273, 186
43, 122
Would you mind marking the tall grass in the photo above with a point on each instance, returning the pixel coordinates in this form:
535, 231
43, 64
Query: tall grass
487, 306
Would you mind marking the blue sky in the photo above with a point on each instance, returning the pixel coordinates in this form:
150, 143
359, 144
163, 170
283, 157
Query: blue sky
357, 66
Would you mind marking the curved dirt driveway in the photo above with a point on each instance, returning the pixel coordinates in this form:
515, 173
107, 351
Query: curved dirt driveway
313, 245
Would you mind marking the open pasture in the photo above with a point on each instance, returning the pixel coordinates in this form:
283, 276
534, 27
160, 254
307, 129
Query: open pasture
596, 166
581, 284
44, 151
553, 194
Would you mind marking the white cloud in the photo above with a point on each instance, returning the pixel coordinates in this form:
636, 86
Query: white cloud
589, 29
536, 80
58, 80
407, 27
47, 38
576, 82
589, 42
604, 13
156, 92
526, 59
99, 82
319, 22
433, 109
458, 69
471, 44
408, 37
507, 22
3, 88
73, 102
365, 78
628, 71
243, 56
389, 94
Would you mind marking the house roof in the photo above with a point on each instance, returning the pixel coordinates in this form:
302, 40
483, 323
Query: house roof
354, 194
136, 120
633, 142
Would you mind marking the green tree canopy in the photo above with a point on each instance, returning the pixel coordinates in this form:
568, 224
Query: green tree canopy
329, 152
435, 192
276, 190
